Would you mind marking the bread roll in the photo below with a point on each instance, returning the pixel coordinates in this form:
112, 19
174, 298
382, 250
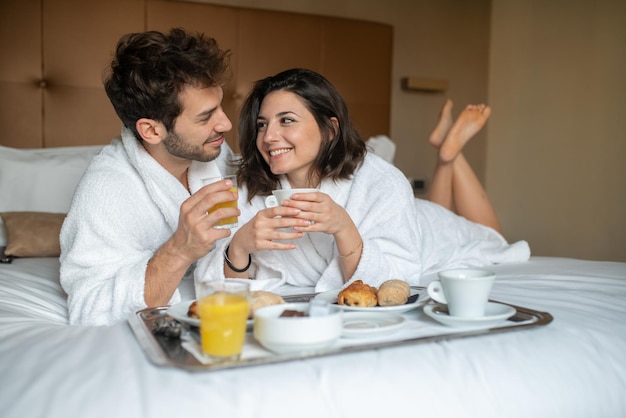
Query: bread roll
393, 292
357, 294
261, 298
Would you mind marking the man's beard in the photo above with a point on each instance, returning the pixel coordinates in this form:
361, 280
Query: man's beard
178, 147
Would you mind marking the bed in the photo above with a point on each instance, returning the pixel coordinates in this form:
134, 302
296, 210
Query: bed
572, 366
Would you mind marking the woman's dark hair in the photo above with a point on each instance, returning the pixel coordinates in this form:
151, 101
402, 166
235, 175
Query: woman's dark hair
150, 69
338, 158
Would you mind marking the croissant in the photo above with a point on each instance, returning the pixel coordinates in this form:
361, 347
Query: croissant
358, 294
393, 292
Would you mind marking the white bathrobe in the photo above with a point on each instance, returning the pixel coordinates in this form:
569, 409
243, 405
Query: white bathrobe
403, 237
124, 208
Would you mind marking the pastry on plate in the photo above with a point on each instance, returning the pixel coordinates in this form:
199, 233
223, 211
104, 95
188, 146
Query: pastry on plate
358, 294
261, 298
393, 292
192, 312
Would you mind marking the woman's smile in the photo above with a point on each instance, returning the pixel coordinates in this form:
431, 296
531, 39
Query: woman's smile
280, 151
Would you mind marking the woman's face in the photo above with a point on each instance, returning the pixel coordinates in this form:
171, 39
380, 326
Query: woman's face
288, 138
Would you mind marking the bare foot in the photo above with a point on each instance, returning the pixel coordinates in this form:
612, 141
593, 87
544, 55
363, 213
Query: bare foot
469, 122
443, 125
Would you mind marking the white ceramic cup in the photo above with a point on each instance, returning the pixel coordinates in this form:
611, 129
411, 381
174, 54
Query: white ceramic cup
465, 291
277, 197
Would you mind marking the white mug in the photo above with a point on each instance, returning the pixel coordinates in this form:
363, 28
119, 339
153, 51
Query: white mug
465, 291
277, 197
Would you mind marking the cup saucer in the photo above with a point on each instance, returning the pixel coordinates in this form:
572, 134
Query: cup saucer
495, 314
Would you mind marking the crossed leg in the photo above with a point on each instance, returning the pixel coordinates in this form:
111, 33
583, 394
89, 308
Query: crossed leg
454, 184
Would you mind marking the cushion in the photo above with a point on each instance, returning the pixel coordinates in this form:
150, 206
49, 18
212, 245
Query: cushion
41, 180
33, 234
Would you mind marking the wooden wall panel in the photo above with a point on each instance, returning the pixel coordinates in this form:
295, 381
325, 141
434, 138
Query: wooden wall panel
271, 42
357, 60
80, 37
51, 74
369, 118
78, 115
357, 56
20, 40
20, 72
21, 120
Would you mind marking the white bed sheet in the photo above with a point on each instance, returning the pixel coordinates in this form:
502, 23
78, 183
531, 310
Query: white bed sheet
573, 367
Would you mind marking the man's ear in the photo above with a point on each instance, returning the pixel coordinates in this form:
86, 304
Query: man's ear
151, 131
335, 130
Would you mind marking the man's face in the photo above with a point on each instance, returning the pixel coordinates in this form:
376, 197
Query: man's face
198, 132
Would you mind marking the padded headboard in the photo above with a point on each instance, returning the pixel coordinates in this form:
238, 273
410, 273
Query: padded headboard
55, 53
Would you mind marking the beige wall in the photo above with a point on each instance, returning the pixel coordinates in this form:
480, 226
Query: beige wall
554, 72
557, 140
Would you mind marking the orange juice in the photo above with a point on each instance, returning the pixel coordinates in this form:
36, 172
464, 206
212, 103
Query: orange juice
230, 221
223, 319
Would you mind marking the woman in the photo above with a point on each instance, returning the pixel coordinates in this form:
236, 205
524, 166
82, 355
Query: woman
295, 132
454, 184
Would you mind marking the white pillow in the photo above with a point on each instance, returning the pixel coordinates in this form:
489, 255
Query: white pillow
41, 180
382, 146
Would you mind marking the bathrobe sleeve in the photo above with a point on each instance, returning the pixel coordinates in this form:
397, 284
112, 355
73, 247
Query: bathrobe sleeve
112, 229
380, 203
125, 207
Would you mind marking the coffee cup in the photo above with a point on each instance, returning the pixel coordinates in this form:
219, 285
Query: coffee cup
277, 197
465, 291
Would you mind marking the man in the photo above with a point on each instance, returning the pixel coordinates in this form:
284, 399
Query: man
139, 220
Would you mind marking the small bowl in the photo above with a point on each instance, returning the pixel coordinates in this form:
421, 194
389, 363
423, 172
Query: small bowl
299, 333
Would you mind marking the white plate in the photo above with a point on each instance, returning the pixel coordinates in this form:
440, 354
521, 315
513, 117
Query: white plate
179, 313
495, 314
370, 324
417, 299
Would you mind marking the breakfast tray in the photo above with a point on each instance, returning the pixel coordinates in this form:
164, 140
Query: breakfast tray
170, 350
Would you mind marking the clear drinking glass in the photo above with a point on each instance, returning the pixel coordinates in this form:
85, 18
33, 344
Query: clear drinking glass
231, 221
223, 308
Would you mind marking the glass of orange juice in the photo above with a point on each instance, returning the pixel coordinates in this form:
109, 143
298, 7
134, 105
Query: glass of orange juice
231, 221
223, 308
